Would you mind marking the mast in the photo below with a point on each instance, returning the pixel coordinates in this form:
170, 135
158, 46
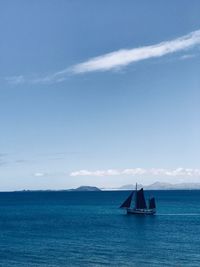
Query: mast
140, 202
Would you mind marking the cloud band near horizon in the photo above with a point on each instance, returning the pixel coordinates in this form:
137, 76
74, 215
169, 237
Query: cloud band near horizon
184, 172
115, 60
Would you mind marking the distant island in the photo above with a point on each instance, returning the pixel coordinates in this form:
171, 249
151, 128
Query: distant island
85, 188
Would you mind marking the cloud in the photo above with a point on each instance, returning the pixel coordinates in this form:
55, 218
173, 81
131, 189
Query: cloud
16, 79
124, 57
187, 56
114, 60
185, 172
39, 174
56, 77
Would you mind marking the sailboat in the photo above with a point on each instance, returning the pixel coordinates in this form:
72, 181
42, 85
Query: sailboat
136, 203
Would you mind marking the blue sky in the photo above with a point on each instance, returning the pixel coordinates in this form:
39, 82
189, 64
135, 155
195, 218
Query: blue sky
99, 92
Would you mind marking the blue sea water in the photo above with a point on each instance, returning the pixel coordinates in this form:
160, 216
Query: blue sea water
87, 229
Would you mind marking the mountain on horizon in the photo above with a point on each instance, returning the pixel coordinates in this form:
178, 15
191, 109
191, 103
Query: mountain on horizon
163, 186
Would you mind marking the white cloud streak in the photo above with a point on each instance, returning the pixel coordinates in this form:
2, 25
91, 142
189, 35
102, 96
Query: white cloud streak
114, 60
124, 57
183, 172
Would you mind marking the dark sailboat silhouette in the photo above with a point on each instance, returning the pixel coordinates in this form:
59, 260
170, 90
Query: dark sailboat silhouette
139, 203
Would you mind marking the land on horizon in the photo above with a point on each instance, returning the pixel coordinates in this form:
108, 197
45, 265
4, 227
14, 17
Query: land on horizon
154, 186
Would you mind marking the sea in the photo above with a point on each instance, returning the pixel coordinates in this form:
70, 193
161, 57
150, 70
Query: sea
88, 229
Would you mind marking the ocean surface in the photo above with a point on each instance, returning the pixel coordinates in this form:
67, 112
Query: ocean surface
88, 229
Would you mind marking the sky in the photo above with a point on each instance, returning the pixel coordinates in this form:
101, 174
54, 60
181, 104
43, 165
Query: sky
102, 93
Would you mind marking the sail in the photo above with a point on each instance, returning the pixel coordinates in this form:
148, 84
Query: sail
152, 203
140, 202
127, 202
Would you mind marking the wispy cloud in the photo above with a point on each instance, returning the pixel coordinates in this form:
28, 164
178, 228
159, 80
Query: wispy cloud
184, 172
187, 56
39, 174
115, 60
56, 77
15, 79
122, 58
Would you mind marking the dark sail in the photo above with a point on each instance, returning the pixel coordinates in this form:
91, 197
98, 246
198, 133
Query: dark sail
127, 202
152, 203
140, 202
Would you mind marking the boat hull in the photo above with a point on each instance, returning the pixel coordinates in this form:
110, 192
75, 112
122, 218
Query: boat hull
141, 211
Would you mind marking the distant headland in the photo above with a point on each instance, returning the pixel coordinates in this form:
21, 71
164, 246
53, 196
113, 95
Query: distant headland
85, 188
